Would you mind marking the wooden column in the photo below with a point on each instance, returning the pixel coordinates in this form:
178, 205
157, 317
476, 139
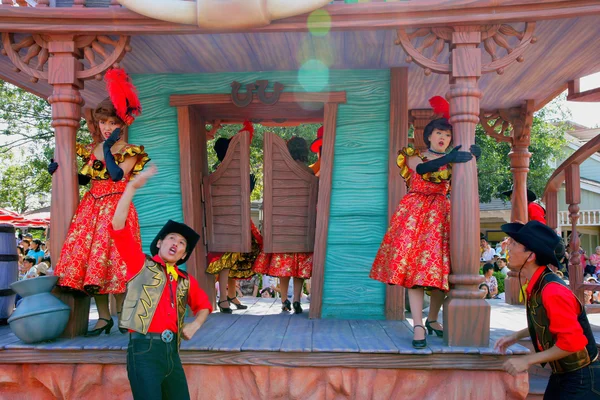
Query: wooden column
194, 167
466, 313
552, 209
573, 197
519, 165
420, 120
321, 231
394, 295
66, 104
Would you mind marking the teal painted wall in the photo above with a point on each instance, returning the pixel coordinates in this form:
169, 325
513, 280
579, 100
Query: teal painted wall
358, 217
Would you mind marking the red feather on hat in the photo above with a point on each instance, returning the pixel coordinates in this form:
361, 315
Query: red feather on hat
123, 95
248, 127
440, 106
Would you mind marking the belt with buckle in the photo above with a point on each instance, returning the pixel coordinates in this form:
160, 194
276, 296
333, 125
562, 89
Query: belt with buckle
166, 336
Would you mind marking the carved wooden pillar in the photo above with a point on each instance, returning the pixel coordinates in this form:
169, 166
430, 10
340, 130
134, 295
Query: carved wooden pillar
420, 119
466, 313
573, 197
66, 103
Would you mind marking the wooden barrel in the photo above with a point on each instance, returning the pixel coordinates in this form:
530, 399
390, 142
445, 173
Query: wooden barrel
9, 269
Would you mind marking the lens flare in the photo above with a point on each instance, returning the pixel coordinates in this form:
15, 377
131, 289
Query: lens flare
313, 76
319, 23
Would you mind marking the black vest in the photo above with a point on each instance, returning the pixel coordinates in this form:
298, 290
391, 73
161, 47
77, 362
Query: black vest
539, 328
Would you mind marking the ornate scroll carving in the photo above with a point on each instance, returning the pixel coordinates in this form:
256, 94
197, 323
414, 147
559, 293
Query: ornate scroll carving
243, 100
434, 40
269, 98
30, 54
510, 125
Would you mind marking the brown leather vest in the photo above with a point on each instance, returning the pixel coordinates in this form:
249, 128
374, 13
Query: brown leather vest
144, 291
539, 328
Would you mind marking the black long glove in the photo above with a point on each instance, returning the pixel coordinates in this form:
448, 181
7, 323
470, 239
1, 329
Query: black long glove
82, 180
116, 173
454, 156
476, 151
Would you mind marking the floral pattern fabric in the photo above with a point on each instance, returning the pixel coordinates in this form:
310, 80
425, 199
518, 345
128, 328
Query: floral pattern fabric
415, 251
238, 264
89, 260
281, 265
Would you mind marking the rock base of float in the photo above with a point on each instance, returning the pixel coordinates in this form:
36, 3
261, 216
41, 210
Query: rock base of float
95, 381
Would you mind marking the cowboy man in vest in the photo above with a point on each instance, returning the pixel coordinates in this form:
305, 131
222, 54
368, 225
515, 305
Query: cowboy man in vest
154, 308
556, 319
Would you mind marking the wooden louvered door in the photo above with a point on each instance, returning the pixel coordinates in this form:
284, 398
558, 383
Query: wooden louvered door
290, 200
227, 200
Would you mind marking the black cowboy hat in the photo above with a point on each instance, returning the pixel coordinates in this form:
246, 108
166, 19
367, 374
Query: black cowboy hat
190, 235
537, 237
530, 195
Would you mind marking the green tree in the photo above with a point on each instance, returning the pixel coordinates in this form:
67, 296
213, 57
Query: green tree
547, 145
26, 147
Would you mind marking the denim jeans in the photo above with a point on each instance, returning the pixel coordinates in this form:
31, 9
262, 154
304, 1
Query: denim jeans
581, 384
154, 370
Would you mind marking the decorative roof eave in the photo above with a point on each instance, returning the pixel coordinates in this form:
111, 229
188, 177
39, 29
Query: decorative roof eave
363, 16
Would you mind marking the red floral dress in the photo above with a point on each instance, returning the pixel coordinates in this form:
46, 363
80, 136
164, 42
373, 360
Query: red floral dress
415, 251
282, 265
238, 264
89, 260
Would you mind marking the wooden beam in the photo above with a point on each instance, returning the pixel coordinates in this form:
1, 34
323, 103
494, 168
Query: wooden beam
193, 167
323, 204
394, 295
475, 362
590, 96
362, 16
177, 100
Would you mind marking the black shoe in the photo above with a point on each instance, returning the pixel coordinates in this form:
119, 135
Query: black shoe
122, 330
297, 308
430, 329
420, 344
238, 306
286, 305
106, 328
224, 310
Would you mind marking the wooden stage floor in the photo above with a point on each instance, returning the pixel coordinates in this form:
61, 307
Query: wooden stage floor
263, 335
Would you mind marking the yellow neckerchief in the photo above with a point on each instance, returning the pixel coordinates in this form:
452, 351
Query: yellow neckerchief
522, 292
171, 271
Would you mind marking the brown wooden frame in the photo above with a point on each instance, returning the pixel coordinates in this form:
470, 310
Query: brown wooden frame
394, 295
193, 149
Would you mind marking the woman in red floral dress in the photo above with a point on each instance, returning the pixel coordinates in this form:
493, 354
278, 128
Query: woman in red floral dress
289, 265
89, 261
415, 252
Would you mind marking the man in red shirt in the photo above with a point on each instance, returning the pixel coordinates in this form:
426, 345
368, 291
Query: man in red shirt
535, 212
556, 319
156, 300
